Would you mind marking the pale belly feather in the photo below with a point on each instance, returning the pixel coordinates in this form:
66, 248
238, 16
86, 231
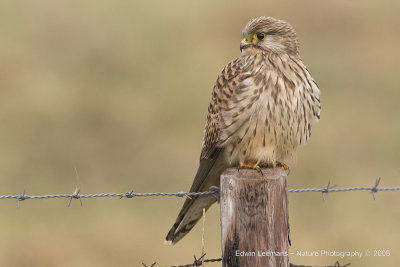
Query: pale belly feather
266, 137
269, 119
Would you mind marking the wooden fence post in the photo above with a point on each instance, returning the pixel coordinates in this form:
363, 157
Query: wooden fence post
254, 218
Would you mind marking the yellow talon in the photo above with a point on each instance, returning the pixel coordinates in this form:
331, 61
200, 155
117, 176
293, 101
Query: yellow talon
282, 165
250, 165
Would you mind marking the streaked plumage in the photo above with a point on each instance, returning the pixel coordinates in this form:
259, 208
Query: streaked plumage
262, 108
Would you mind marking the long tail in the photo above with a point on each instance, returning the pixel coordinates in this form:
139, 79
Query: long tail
189, 215
207, 175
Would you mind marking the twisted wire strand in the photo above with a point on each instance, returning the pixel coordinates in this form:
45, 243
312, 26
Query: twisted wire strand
117, 195
346, 189
214, 191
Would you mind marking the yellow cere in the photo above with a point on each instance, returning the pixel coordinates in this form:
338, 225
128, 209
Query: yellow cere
246, 41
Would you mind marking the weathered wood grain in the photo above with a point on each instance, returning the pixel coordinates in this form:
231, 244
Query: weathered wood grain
254, 218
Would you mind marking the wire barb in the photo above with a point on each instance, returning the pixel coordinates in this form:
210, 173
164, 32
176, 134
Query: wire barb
198, 262
75, 195
21, 198
375, 188
337, 264
150, 265
325, 190
128, 195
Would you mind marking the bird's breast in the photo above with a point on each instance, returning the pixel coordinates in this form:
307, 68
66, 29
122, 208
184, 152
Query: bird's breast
268, 117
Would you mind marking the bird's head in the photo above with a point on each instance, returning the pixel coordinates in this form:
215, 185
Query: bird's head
270, 35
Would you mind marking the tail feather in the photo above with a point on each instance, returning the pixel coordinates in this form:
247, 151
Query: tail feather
207, 175
190, 214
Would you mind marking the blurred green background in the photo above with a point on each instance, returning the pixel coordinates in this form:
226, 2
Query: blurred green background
119, 90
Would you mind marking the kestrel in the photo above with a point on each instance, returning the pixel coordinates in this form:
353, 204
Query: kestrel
262, 108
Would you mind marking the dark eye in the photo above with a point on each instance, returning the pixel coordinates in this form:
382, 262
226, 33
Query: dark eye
260, 36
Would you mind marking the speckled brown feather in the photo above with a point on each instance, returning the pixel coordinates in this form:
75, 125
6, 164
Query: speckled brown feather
262, 107
223, 92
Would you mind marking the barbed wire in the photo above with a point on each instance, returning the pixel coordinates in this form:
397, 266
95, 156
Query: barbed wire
337, 264
200, 261
213, 191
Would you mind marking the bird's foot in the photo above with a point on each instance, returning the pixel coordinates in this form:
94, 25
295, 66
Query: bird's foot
283, 166
250, 165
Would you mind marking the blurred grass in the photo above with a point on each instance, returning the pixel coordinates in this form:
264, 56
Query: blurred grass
120, 90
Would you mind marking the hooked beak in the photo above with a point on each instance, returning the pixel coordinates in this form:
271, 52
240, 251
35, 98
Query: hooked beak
244, 43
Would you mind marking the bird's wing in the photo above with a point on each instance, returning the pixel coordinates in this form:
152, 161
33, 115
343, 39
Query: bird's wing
209, 170
223, 90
